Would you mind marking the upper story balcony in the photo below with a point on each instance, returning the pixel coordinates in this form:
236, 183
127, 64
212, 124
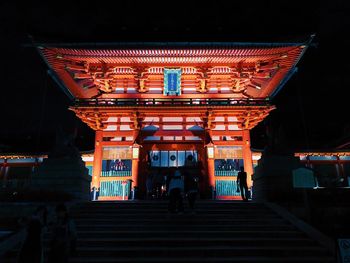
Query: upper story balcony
172, 102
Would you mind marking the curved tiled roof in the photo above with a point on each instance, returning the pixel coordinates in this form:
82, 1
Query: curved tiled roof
212, 54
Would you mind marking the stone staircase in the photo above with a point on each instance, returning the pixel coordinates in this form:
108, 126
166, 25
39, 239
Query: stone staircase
218, 232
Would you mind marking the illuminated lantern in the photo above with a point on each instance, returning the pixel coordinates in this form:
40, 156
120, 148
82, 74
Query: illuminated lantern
135, 151
210, 150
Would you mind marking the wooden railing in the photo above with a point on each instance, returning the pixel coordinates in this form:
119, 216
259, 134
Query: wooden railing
115, 173
169, 102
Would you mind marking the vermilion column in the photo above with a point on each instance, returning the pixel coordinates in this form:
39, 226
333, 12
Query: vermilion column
97, 160
135, 159
211, 166
247, 157
211, 172
135, 172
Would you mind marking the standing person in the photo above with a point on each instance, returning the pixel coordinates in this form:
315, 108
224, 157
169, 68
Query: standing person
191, 189
32, 247
242, 182
158, 181
149, 186
176, 189
93, 194
63, 242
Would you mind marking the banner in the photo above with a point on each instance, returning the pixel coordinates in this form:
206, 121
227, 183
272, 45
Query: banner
172, 82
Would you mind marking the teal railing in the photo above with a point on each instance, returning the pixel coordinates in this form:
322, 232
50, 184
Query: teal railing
115, 173
226, 173
226, 188
114, 188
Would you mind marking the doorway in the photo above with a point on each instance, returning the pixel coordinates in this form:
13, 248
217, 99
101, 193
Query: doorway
160, 161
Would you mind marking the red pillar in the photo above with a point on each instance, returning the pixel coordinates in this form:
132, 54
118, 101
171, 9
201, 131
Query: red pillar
135, 172
97, 160
247, 157
135, 154
211, 166
211, 172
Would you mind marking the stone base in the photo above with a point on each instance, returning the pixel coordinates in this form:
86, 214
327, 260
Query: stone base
273, 177
68, 175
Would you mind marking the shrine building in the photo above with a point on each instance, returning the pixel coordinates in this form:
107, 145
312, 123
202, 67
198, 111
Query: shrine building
157, 107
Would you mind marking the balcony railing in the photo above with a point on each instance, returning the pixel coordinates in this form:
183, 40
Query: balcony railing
169, 102
226, 173
115, 173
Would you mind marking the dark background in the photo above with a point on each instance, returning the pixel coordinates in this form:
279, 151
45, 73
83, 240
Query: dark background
312, 106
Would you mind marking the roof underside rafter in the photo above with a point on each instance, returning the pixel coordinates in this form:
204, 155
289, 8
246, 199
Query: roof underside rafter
233, 70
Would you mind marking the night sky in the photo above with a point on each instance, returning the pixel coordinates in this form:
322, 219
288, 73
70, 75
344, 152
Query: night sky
312, 106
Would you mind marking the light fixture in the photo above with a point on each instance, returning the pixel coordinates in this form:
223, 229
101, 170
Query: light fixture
210, 150
255, 85
284, 56
135, 150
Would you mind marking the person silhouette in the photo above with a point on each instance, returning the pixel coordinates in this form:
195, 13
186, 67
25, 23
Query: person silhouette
93, 194
176, 189
158, 182
63, 241
191, 186
149, 186
32, 247
242, 182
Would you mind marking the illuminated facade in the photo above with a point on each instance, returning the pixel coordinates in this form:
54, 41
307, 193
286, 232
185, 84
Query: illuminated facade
187, 106
332, 168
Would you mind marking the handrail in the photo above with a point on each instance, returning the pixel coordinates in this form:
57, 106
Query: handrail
169, 102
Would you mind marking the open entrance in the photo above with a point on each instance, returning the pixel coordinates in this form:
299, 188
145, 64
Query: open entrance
163, 165
159, 163
177, 159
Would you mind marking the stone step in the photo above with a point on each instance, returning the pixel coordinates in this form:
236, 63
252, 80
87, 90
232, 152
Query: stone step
235, 259
226, 259
166, 202
165, 210
177, 216
106, 217
205, 251
219, 232
237, 203
173, 227
191, 242
197, 234
165, 206
193, 251
179, 219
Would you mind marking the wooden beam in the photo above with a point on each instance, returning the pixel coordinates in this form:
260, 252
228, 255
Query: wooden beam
118, 133
117, 143
173, 142
228, 143
227, 133
170, 133
228, 95
250, 116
